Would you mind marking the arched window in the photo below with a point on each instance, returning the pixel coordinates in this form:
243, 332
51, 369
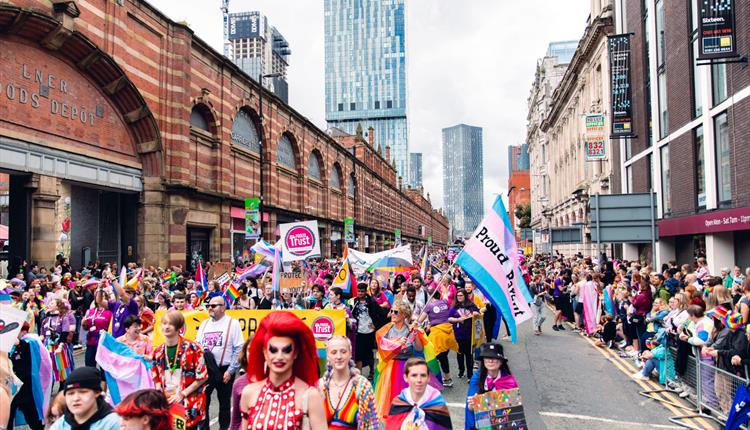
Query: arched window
335, 178
285, 152
198, 119
313, 166
350, 186
244, 132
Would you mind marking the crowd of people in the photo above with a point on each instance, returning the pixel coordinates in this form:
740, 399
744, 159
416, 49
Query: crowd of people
380, 375
658, 317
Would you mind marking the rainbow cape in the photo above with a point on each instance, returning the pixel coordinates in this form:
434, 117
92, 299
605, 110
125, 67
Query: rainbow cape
389, 375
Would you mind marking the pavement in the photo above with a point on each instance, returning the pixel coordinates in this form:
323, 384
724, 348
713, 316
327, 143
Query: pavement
567, 383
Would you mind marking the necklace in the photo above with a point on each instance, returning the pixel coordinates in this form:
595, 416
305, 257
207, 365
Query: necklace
341, 390
172, 366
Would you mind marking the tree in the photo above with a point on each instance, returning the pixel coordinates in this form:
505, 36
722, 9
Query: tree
523, 215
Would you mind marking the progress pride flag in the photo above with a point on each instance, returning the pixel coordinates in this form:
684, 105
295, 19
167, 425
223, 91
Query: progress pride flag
490, 258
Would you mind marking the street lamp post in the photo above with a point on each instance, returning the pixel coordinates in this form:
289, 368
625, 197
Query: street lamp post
262, 142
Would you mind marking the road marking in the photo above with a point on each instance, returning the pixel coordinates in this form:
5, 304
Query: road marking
607, 420
213, 422
456, 405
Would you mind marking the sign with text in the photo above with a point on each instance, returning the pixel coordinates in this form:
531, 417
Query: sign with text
300, 240
252, 218
716, 27
498, 410
595, 137
621, 91
349, 230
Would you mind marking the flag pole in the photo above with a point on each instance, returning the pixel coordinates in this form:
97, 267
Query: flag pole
432, 296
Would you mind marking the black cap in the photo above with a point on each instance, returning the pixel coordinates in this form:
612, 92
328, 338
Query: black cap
492, 350
84, 377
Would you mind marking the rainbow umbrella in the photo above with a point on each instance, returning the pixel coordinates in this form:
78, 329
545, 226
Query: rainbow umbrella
391, 264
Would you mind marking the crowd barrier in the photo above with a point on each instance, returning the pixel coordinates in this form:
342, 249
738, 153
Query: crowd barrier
711, 390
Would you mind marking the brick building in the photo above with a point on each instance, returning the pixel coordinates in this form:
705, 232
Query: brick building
519, 185
693, 134
127, 138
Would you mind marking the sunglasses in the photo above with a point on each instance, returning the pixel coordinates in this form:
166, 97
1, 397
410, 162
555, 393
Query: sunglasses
394, 311
215, 306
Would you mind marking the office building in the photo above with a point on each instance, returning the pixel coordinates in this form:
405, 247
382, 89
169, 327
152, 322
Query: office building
463, 190
692, 129
415, 170
365, 72
258, 48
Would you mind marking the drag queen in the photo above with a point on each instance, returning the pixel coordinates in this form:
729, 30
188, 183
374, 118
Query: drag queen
284, 361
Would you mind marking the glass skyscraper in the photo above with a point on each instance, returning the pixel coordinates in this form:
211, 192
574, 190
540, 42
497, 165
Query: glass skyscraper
463, 190
365, 53
415, 170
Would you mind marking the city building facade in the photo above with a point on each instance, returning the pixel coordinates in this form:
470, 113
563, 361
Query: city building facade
415, 170
260, 49
549, 72
692, 127
463, 178
365, 72
572, 178
519, 186
115, 107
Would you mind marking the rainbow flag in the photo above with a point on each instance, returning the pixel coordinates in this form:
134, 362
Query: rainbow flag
231, 293
246, 254
490, 258
124, 370
425, 263
200, 278
62, 361
169, 278
254, 271
345, 279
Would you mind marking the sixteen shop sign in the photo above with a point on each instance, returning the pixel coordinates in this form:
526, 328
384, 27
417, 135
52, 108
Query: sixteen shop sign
300, 240
621, 96
717, 29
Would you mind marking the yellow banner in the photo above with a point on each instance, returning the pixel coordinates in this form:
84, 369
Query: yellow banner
324, 324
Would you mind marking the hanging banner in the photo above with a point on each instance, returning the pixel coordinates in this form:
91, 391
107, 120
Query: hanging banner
300, 240
621, 91
397, 234
716, 27
349, 230
252, 218
595, 138
429, 241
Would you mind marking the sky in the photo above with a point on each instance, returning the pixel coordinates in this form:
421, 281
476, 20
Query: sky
469, 61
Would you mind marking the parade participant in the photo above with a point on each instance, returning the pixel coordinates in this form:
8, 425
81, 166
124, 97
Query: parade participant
349, 398
377, 294
144, 410
240, 382
367, 314
411, 300
418, 406
56, 408
180, 303
397, 342
163, 301
266, 302
96, 320
58, 329
317, 300
145, 314
80, 300
222, 336
429, 281
86, 408
422, 294
122, 307
32, 366
244, 301
179, 370
283, 360
440, 333
494, 374
134, 337
446, 288
461, 315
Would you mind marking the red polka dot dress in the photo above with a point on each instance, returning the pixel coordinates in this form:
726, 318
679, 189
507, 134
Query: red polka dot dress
275, 409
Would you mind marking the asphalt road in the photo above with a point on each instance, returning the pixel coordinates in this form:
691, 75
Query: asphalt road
566, 383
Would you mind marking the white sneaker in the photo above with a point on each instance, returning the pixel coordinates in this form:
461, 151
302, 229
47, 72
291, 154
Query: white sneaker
638, 376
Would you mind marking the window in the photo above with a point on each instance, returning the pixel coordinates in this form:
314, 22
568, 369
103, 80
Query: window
697, 78
666, 194
723, 160
647, 67
198, 120
352, 106
629, 178
350, 186
650, 178
341, 107
335, 178
244, 132
313, 166
663, 113
700, 168
719, 82
389, 104
377, 105
285, 153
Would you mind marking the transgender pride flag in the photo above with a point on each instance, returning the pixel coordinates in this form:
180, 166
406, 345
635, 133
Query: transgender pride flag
124, 370
490, 258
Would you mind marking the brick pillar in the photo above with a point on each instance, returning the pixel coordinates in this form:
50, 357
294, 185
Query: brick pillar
153, 237
44, 226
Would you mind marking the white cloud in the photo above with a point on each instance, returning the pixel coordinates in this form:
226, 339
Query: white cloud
470, 61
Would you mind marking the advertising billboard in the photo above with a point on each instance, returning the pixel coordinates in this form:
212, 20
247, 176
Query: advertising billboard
717, 30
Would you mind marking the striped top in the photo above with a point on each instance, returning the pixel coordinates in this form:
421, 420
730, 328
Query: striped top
356, 410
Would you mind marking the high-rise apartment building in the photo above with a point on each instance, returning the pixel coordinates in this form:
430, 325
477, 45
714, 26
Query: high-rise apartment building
463, 189
415, 170
258, 48
365, 72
